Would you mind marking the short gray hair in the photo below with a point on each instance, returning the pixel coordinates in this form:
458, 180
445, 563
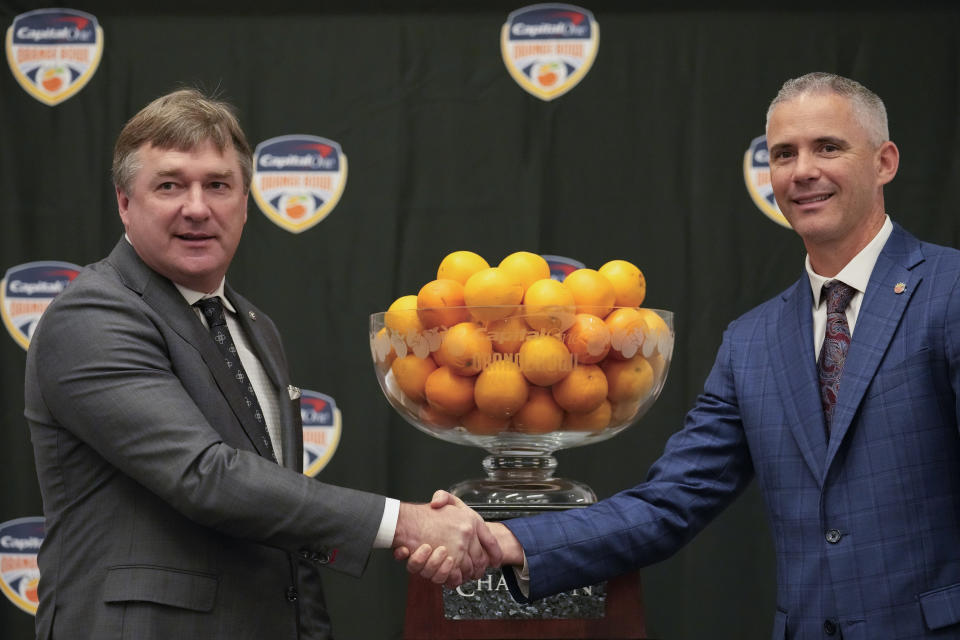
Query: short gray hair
867, 106
180, 120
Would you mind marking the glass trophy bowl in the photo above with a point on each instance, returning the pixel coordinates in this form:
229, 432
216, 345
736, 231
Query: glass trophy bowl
522, 384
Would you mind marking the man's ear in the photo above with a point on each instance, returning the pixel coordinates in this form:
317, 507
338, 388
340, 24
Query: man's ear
123, 202
888, 161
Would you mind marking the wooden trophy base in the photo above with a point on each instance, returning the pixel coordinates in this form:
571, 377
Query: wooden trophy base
483, 610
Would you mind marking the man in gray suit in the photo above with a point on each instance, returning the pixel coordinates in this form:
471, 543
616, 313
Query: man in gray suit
168, 441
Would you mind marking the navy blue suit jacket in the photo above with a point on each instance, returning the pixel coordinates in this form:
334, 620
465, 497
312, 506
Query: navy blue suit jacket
866, 525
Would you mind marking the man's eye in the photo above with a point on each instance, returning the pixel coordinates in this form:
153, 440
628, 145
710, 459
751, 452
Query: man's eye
166, 186
218, 185
782, 154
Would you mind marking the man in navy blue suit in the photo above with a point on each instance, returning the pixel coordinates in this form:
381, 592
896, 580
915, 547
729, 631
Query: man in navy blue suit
840, 395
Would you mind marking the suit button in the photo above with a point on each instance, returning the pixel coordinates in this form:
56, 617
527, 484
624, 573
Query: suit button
321, 558
292, 594
305, 554
833, 536
829, 627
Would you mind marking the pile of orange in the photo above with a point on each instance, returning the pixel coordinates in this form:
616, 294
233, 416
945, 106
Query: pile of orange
503, 348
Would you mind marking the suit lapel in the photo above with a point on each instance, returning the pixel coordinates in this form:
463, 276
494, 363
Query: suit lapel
163, 297
877, 322
790, 337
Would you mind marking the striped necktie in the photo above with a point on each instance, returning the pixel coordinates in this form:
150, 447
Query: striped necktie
212, 310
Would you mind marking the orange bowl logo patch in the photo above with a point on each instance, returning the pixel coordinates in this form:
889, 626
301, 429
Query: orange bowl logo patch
298, 180
53, 53
561, 266
321, 430
756, 173
549, 48
27, 290
20, 541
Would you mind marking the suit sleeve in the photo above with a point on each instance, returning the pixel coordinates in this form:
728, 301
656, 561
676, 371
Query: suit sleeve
99, 368
703, 468
952, 333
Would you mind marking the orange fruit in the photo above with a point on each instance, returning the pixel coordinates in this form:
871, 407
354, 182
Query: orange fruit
501, 389
401, 316
440, 304
548, 305
594, 420
628, 380
411, 373
540, 413
623, 412
544, 360
591, 291
525, 267
588, 338
449, 393
628, 331
481, 424
628, 282
466, 348
659, 363
434, 418
583, 390
460, 265
488, 289
657, 331
508, 334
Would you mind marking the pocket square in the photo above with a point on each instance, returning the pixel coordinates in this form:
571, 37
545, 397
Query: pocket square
293, 391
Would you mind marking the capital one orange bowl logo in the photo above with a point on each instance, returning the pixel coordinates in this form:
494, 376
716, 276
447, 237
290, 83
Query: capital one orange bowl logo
756, 174
322, 424
53, 53
549, 48
20, 541
298, 180
562, 266
27, 290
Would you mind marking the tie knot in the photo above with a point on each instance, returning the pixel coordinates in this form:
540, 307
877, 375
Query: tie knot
838, 296
212, 310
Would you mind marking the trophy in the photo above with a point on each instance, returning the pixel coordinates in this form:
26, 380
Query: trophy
522, 381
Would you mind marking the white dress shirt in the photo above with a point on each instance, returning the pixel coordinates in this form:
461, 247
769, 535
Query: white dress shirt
856, 274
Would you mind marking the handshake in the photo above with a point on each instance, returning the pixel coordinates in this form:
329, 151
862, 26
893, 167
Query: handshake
448, 543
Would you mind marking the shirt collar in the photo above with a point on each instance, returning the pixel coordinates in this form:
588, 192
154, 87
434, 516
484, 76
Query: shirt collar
192, 297
855, 273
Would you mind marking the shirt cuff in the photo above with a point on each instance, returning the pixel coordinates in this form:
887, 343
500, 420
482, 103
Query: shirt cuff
388, 524
522, 575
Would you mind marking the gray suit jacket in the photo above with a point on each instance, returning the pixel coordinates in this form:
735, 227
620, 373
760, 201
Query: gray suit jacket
163, 518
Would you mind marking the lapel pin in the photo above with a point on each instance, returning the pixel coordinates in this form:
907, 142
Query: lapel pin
900, 287
253, 316
293, 391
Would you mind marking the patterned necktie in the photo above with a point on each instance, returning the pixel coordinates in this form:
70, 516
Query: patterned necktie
212, 310
836, 342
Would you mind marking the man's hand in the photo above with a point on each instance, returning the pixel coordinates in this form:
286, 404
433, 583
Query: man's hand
509, 545
452, 542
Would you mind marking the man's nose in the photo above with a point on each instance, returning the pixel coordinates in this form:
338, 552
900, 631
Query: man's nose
806, 167
195, 205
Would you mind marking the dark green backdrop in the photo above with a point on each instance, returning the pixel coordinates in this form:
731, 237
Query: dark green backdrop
641, 161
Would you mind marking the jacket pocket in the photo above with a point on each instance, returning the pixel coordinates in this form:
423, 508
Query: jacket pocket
161, 585
941, 607
779, 625
912, 369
